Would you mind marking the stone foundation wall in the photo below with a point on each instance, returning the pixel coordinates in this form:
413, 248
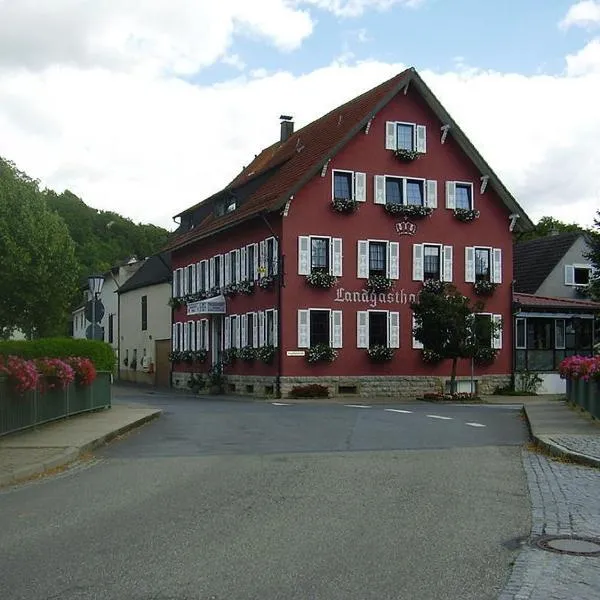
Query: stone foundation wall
245, 385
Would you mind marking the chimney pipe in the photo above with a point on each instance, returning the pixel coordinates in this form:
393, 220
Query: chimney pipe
287, 127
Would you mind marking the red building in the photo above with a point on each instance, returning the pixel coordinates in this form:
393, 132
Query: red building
383, 192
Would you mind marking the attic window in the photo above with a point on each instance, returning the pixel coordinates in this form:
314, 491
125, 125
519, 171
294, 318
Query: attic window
225, 206
231, 205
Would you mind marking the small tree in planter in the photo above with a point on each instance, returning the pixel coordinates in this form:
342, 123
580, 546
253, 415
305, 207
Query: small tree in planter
378, 283
266, 354
320, 279
321, 353
484, 288
247, 353
466, 215
380, 354
344, 205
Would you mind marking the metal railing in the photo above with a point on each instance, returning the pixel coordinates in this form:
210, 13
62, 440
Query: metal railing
585, 394
19, 412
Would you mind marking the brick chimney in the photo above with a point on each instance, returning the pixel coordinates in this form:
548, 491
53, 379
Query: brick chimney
287, 127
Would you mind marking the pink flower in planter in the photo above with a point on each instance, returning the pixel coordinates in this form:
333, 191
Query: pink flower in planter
56, 372
85, 371
22, 374
580, 367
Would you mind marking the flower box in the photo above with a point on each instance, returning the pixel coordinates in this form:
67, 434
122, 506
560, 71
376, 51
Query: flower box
266, 354
229, 356
408, 210
175, 357
231, 289
466, 215
247, 353
266, 282
319, 279
378, 283
246, 287
406, 155
380, 354
433, 286
485, 356
321, 353
484, 288
430, 357
344, 205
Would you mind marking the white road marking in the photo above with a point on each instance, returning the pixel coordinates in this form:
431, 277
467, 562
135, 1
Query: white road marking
280, 404
356, 406
475, 424
439, 417
406, 412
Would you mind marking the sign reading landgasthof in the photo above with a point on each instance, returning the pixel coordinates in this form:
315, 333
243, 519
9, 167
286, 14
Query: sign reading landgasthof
214, 306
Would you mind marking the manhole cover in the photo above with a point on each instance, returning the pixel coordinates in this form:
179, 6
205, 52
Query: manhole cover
579, 546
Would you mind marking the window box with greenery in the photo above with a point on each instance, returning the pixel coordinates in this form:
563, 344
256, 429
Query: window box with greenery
344, 205
408, 210
230, 356
247, 353
379, 353
176, 302
200, 355
246, 287
484, 356
175, 357
484, 287
214, 291
266, 354
433, 286
187, 356
430, 357
378, 283
320, 279
407, 155
231, 289
266, 282
321, 353
466, 215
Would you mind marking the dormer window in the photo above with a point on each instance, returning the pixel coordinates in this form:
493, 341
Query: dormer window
231, 205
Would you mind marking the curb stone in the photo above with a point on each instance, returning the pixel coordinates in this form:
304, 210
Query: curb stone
72, 454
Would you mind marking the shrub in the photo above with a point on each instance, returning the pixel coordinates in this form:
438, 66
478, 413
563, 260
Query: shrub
100, 353
313, 390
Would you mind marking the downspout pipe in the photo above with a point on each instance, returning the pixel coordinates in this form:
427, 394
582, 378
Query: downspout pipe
280, 284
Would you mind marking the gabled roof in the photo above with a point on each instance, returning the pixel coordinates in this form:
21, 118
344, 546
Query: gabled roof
156, 269
533, 301
534, 260
285, 167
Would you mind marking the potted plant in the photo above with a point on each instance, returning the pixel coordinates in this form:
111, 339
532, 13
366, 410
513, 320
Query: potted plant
408, 210
55, 372
321, 353
216, 379
266, 353
23, 375
200, 355
320, 279
247, 353
175, 303
344, 205
196, 382
84, 369
187, 356
379, 353
174, 357
484, 288
246, 287
433, 286
466, 215
266, 282
231, 289
378, 283
406, 155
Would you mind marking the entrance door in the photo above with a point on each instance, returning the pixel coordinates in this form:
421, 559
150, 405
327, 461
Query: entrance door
217, 339
162, 365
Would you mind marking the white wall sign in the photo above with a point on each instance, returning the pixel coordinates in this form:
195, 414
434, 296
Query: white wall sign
296, 353
374, 298
215, 306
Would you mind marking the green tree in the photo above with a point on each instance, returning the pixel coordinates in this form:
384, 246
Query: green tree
444, 325
548, 225
38, 268
593, 240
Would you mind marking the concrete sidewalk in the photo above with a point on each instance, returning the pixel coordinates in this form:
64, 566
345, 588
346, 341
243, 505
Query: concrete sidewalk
561, 429
32, 452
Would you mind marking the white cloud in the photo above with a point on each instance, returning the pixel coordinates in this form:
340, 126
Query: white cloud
355, 8
586, 61
582, 14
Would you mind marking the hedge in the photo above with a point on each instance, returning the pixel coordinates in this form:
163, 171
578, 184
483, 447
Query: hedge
100, 353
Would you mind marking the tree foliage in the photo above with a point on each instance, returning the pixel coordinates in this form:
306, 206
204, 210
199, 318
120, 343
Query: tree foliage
593, 256
38, 268
547, 226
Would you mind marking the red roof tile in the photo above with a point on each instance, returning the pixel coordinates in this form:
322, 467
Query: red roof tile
531, 300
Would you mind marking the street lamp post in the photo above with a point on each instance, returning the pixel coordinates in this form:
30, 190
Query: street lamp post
95, 283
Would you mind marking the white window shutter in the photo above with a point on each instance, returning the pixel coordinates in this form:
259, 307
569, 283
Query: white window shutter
275, 265
261, 328
303, 329
303, 255
470, 264
211, 273
227, 333
360, 187
174, 337
206, 335
390, 135
175, 280
335, 327
235, 257
186, 328
262, 259
199, 282
362, 329
431, 196
421, 141
206, 275
238, 332
276, 328
497, 334
394, 330
379, 183
393, 260
180, 342
336, 257
185, 282
497, 265
244, 333
243, 264
255, 330
447, 263
194, 278
199, 335
363, 259
417, 262
192, 334
415, 343
569, 275
450, 194
181, 281
256, 259
227, 279
222, 268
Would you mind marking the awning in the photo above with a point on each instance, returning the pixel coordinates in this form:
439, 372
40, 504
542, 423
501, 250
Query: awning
214, 306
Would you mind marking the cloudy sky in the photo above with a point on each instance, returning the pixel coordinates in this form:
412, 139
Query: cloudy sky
145, 107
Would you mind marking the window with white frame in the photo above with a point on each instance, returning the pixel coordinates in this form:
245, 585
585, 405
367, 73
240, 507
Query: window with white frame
202, 275
176, 283
487, 329
349, 185
483, 264
400, 135
578, 275
190, 279
271, 327
459, 194
432, 261
271, 259
252, 262
406, 191
378, 257
377, 328
202, 341
319, 253
251, 329
319, 326
218, 270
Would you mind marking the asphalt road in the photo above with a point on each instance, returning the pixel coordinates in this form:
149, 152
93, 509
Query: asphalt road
245, 501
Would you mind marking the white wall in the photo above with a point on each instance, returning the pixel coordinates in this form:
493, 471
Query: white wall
79, 323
